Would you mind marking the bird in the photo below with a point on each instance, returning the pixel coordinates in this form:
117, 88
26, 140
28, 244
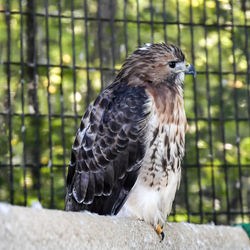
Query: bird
127, 153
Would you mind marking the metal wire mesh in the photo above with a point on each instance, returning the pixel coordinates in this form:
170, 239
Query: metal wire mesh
56, 56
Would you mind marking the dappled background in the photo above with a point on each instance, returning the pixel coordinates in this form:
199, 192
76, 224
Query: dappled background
56, 56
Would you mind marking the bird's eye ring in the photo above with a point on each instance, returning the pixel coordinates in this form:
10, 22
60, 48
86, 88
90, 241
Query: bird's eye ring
172, 64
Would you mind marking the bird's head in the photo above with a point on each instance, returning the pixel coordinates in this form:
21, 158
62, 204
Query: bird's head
156, 64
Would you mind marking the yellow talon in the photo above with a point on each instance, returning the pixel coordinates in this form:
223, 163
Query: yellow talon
160, 232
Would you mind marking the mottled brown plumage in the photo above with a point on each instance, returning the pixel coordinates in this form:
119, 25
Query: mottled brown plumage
126, 158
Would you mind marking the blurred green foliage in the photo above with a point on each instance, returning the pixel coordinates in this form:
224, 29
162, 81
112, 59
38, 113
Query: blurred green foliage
211, 164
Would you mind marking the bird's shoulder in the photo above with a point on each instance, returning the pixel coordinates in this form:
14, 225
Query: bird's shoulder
120, 107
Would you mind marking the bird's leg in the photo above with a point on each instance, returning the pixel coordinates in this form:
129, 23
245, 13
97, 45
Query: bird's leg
160, 232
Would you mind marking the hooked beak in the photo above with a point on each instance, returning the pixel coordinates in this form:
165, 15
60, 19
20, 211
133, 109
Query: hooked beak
190, 70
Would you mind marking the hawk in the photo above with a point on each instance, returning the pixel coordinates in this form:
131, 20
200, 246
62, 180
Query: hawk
126, 157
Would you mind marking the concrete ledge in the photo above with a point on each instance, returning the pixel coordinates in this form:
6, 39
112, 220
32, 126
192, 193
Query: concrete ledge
30, 228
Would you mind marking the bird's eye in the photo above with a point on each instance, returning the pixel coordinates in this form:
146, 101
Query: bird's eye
172, 64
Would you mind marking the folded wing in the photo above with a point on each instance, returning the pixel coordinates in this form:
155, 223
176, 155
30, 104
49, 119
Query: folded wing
108, 150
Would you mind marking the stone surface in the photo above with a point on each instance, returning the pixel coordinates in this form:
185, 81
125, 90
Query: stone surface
31, 228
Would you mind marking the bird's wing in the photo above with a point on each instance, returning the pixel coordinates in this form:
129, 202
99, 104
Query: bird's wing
108, 151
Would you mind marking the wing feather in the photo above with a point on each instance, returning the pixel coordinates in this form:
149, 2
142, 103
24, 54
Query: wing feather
90, 193
80, 185
108, 150
99, 180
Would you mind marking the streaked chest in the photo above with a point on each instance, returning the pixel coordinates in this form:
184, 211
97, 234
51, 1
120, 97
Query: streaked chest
165, 139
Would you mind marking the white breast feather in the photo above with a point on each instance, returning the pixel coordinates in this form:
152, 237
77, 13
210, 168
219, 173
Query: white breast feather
145, 202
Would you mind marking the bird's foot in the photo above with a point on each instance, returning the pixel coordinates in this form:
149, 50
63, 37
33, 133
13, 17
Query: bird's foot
160, 232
